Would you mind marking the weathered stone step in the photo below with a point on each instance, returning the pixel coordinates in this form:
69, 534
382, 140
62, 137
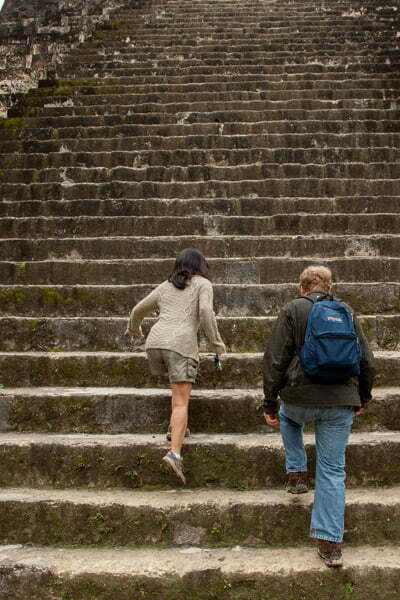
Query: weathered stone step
230, 116
239, 30
22, 369
123, 75
180, 574
212, 245
106, 60
321, 80
282, 127
235, 300
268, 269
260, 206
221, 460
240, 334
205, 142
284, 60
70, 109
201, 173
201, 225
207, 518
306, 187
260, 82
279, 44
231, 299
130, 410
217, 157
229, 95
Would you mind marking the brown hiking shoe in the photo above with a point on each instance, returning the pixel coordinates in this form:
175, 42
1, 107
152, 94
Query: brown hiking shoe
330, 552
297, 483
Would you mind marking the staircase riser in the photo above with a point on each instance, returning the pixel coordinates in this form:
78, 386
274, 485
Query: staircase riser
223, 465
69, 524
203, 173
240, 335
230, 300
241, 371
307, 188
207, 158
203, 129
201, 142
193, 584
256, 271
186, 208
150, 413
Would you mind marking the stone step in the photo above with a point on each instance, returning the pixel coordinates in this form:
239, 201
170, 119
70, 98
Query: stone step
231, 300
225, 117
207, 518
253, 82
130, 410
205, 142
240, 334
182, 129
305, 187
209, 47
222, 460
260, 22
123, 77
244, 270
260, 206
194, 573
182, 227
202, 173
64, 95
68, 108
245, 32
328, 157
213, 245
181, 71
285, 62
19, 369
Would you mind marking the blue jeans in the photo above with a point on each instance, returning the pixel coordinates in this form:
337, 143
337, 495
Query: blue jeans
332, 430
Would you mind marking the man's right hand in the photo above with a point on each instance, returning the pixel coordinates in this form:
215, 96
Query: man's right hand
272, 419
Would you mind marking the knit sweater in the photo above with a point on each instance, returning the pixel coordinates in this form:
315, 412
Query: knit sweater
181, 313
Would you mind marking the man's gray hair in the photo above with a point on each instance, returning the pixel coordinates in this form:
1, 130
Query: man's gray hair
316, 276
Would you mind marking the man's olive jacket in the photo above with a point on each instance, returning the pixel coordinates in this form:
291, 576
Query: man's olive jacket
284, 376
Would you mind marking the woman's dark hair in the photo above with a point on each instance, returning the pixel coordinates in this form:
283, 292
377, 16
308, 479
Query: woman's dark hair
189, 262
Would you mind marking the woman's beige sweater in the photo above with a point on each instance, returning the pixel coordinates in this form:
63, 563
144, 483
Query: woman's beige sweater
181, 313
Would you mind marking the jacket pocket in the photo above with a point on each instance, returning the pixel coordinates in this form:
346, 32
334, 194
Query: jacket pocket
295, 375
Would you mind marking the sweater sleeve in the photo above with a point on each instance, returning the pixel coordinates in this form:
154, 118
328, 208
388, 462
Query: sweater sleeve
208, 321
141, 310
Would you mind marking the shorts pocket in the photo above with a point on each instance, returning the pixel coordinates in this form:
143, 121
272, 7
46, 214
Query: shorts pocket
192, 366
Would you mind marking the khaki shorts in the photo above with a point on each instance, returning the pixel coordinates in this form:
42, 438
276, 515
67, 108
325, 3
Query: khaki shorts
166, 362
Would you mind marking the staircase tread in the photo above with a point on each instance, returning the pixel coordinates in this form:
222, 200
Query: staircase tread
239, 440
183, 498
161, 563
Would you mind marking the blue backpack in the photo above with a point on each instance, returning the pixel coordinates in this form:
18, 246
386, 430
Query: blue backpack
331, 352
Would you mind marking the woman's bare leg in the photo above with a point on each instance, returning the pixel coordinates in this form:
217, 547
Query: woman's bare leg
179, 413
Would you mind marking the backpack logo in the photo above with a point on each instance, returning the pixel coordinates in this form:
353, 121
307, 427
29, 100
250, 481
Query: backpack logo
331, 352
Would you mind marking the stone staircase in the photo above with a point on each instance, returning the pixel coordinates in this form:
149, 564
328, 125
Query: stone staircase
267, 135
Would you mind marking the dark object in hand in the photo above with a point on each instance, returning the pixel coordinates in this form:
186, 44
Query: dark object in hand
217, 363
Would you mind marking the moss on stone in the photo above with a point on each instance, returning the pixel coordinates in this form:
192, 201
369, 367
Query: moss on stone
17, 123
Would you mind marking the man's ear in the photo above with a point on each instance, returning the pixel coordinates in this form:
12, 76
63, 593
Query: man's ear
302, 291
